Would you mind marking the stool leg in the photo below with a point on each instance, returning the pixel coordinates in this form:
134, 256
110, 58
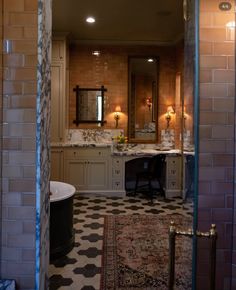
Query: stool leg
136, 185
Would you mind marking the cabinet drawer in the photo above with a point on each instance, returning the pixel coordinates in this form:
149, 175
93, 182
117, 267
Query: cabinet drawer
173, 184
71, 154
116, 162
173, 161
173, 172
116, 184
87, 152
173, 165
116, 172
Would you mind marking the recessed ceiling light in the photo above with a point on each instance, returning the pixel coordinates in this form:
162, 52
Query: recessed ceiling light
150, 60
90, 19
96, 52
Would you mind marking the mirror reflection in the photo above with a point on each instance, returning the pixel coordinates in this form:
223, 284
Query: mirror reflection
90, 108
89, 105
142, 98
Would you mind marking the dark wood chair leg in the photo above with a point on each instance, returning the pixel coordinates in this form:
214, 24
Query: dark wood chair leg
136, 185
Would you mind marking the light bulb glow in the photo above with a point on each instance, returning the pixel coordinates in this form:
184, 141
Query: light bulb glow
230, 24
96, 53
90, 19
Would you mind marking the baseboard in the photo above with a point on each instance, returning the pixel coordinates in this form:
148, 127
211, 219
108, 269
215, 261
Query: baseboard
112, 193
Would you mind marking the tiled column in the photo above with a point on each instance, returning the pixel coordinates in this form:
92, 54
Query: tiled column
217, 97
25, 173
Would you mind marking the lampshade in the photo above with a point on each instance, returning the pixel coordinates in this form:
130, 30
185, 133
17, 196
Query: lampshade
170, 109
118, 109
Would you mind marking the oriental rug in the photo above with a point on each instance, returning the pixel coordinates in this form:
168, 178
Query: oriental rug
136, 249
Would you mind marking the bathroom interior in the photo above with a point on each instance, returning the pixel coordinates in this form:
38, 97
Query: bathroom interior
122, 92
25, 180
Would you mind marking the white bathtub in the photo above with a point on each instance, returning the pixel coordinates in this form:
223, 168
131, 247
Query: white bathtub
60, 190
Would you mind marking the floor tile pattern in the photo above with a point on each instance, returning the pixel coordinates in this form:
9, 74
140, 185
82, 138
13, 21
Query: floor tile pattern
81, 268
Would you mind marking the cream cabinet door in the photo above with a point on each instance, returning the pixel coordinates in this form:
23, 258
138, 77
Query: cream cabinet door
87, 175
58, 50
76, 173
57, 162
57, 102
97, 174
88, 169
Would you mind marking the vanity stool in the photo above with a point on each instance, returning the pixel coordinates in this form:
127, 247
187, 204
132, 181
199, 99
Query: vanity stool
145, 175
149, 180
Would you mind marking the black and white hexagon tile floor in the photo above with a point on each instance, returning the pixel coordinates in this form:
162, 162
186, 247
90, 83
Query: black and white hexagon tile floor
81, 268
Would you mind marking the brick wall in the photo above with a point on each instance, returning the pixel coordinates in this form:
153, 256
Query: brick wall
19, 117
111, 70
217, 97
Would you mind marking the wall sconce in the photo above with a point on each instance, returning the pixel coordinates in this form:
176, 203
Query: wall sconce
170, 110
117, 115
149, 103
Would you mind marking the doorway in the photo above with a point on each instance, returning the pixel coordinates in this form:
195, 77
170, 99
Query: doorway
182, 45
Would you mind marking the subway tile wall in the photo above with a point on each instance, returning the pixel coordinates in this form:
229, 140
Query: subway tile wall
216, 167
26, 110
19, 141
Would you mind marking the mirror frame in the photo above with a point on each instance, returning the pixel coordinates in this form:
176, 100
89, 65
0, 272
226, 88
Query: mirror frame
154, 114
78, 120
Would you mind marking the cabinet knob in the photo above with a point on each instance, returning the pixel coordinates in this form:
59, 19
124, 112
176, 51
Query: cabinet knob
99, 152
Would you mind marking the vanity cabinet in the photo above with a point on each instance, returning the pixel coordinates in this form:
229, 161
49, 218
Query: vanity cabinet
117, 173
57, 164
173, 176
58, 89
94, 169
88, 169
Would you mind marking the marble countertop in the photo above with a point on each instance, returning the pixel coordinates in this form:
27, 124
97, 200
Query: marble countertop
80, 145
144, 152
128, 150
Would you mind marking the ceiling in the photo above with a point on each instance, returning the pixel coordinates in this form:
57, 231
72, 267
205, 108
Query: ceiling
144, 22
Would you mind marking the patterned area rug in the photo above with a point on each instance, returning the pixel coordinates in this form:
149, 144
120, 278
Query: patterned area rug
135, 253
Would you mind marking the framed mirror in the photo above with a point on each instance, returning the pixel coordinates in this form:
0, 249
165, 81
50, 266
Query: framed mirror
143, 99
89, 105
